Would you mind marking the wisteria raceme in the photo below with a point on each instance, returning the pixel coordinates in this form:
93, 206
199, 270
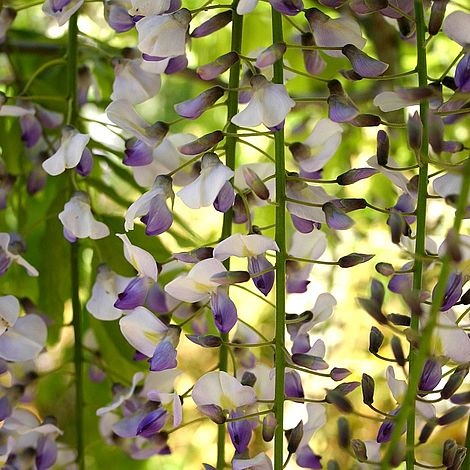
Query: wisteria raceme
328, 139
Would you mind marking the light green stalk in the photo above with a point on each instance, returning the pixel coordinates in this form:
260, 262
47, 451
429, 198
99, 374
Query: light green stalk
280, 261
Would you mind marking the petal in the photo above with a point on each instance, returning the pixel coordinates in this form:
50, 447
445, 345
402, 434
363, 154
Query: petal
25, 340
164, 357
244, 246
142, 260
456, 26
223, 310
9, 311
455, 342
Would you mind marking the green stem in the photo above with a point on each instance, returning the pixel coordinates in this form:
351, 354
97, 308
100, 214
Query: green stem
72, 115
230, 154
281, 255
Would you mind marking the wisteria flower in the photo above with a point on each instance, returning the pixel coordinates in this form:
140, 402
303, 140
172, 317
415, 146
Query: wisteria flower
259, 462
21, 338
456, 26
78, 220
8, 255
454, 340
61, 10
223, 390
198, 286
132, 83
254, 247
105, 292
203, 191
305, 457
149, 7
117, 16
269, 105
152, 207
68, 155
164, 35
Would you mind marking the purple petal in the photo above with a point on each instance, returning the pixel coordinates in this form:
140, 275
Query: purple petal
354, 175
203, 144
137, 153
164, 357
362, 64
462, 74
85, 165
157, 299
293, 385
302, 225
287, 7
59, 5
159, 218
301, 344
387, 427
118, 17
218, 66
225, 199
134, 294
152, 423
341, 109
46, 453
401, 282
223, 310
306, 458
31, 130
453, 291
5, 408
213, 24
265, 282
336, 218
176, 64
431, 376
240, 433
69, 236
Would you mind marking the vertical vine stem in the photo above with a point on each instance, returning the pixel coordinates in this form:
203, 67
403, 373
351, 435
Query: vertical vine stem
280, 261
230, 157
421, 68
72, 115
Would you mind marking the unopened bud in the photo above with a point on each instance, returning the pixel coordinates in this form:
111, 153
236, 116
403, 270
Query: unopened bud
212, 24
353, 259
398, 351
203, 144
438, 11
300, 151
426, 432
449, 451
455, 381
399, 319
386, 269
193, 108
313, 61
374, 310
339, 400
366, 120
270, 55
454, 414
248, 379
339, 373
347, 387
415, 131
214, 412
354, 175
460, 455
383, 147
255, 183
336, 218
294, 436
206, 341
368, 388
218, 66
310, 362
344, 433
359, 449
460, 398
340, 106
376, 339
269, 427
227, 278
349, 204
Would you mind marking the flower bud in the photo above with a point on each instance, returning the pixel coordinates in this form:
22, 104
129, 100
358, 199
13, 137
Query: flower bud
270, 55
339, 400
353, 259
310, 362
339, 373
454, 414
386, 269
349, 204
344, 433
368, 388
376, 339
374, 310
426, 432
218, 66
359, 449
460, 398
431, 375
346, 387
340, 106
366, 120
350, 75
336, 218
362, 64
294, 436
269, 427
206, 341
455, 381
399, 319
192, 109
214, 412
227, 278
287, 7
398, 351
354, 175
415, 131
248, 379
255, 183
383, 147
212, 24
203, 144
176, 64
438, 11
449, 451
314, 63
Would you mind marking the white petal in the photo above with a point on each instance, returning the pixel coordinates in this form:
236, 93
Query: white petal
246, 6
251, 116
259, 462
15, 111
139, 208
316, 420
244, 246
456, 26
160, 381
455, 342
397, 387
65, 13
31, 270
396, 177
323, 307
426, 410
25, 340
318, 349
142, 330
149, 7
389, 101
142, 260
9, 311
276, 104
308, 245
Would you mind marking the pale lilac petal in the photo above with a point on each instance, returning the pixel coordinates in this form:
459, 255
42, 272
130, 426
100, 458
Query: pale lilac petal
164, 357
259, 462
140, 259
244, 246
246, 6
455, 341
223, 310
9, 311
456, 26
